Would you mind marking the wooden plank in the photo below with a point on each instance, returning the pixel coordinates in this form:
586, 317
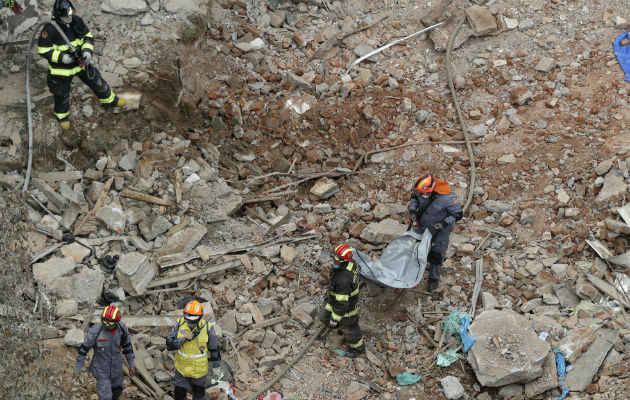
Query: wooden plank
141, 355
607, 289
194, 274
178, 227
145, 197
269, 322
99, 203
178, 187
176, 259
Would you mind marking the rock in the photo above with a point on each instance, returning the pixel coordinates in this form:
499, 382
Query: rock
113, 216
255, 336
481, 20
489, 301
506, 159
124, 7
153, 227
526, 351
87, 285
147, 20
585, 368
324, 188
407, 105
66, 307
453, 389
612, 191
228, 322
140, 244
496, 206
303, 313
528, 215
520, 94
547, 381
603, 167
566, 295
276, 19
575, 342
270, 338
511, 391
510, 23
357, 391
288, 254
254, 45
184, 240
55, 267
585, 289
244, 319
76, 251
182, 6
129, 63
271, 361
74, 337
87, 111
383, 232
545, 64
134, 272
363, 49
52, 196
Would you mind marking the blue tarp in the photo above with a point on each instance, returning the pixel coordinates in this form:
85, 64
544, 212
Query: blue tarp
623, 54
467, 339
562, 372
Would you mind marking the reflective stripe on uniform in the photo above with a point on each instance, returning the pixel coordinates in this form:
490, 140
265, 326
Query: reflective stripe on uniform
357, 344
63, 71
192, 355
340, 297
62, 115
89, 34
55, 56
337, 317
355, 292
109, 99
87, 46
42, 50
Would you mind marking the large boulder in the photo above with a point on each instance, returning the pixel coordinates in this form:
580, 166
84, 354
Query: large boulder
383, 232
507, 350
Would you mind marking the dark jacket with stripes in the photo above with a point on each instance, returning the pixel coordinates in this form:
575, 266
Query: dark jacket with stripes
107, 360
52, 47
343, 295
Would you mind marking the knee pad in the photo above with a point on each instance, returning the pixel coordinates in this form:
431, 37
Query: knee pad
116, 392
435, 258
180, 393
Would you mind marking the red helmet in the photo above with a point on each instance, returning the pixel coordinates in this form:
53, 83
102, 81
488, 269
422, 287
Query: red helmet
110, 316
193, 310
343, 252
426, 184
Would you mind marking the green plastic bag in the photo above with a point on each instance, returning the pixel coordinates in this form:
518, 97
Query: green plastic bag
407, 378
447, 358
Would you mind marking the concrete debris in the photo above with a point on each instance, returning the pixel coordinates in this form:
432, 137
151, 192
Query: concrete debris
481, 20
124, 7
324, 188
184, 240
383, 232
134, 272
585, 368
74, 337
516, 355
54, 267
452, 388
113, 216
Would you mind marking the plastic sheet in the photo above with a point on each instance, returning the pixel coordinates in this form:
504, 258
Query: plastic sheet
467, 339
562, 372
407, 378
401, 265
447, 358
623, 54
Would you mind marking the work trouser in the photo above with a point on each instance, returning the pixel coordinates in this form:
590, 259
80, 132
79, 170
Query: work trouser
59, 86
182, 384
349, 327
106, 391
439, 245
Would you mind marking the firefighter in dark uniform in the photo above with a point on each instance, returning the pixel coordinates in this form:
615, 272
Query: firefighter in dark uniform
107, 339
342, 306
433, 206
63, 64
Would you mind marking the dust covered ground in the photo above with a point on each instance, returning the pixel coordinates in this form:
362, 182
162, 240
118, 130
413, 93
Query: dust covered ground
548, 140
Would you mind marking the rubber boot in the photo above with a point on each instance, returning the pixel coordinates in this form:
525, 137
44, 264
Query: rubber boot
116, 392
65, 125
433, 284
354, 353
120, 102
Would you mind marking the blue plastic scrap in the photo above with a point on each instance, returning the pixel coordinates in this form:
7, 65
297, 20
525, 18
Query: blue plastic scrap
562, 372
623, 53
407, 378
467, 339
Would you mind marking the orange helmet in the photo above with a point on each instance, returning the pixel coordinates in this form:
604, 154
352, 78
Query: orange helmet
343, 252
110, 316
193, 310
426, 184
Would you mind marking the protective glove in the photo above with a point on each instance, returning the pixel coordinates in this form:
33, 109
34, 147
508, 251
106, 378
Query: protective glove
67, 59
132, 372
438, 227
87, 57
17, 9
332, 324
413, 216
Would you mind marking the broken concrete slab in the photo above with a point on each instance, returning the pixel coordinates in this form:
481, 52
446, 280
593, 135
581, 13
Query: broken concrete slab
74, 337
52, 196
526, 354
54, 267
452, 388
585, 368
184, 240
76, 251
324, 188
613, 190
547, 381
383, 232
134, 272
228, 322
153, 227
575, 342
113, 216
87, 285
567, 296
66, 307
56, 176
